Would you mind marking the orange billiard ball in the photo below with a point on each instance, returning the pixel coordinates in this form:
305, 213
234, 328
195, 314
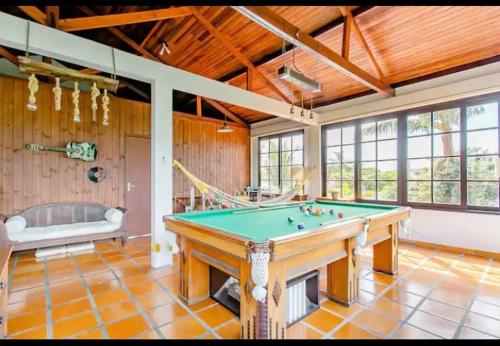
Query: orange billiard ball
341, 215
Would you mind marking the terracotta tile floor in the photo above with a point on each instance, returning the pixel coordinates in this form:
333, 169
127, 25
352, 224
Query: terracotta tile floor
114, 293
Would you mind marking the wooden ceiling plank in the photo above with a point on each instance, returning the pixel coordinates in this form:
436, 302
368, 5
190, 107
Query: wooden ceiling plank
7, 55
346, 12
103, 21
286, 30
198, 106
225, 111
346, 36
237, 54
34, 14
122, 36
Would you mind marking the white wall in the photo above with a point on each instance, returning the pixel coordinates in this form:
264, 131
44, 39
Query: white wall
459, 229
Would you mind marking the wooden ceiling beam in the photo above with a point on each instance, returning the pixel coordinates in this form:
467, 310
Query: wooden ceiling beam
225, 111
346, 36
225, 40
286, 30
34, 13
198, 106
104, 21
346, 12
52, 13
8, 55
151, 32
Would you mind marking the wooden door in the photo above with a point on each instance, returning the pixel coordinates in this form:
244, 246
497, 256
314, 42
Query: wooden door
138, 185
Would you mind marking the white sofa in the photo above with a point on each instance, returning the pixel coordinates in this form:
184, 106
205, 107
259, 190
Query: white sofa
63, 223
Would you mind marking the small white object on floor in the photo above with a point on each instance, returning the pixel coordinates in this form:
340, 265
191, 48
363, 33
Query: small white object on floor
63, 249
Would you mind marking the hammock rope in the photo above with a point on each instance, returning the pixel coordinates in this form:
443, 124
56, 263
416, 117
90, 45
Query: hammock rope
207, 189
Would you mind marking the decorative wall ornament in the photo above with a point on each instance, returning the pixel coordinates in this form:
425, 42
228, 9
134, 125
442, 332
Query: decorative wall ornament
96, 174
57, 94
76, 99
94, 93
105, 108
33, 88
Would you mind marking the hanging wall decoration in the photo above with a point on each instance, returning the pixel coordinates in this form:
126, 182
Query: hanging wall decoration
94, 93
96, 174
33, 88
76, 99
105, 108
57, 94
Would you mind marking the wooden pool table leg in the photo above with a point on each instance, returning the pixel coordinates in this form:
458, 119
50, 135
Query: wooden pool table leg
343, 276
194, 275
385, 253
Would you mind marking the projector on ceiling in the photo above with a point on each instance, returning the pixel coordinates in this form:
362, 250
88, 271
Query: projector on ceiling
299, 79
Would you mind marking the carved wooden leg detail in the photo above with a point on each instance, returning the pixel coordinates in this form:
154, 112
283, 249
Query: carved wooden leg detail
194, 275
343, 276
385, 254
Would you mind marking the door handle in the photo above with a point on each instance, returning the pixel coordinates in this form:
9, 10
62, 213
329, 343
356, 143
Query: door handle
130, 186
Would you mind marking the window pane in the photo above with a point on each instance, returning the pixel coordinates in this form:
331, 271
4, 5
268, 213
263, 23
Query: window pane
348, 171
348, 135
286, 157
332, 186
482, 116
264, 173
273, 159
482, 194
387, 149
298, 142
274, 186
264, 146
274, 174
368, 132
333, 154
333, 172
419, 124
368, 170
264, 159
419, 191
447, 144
419, 147
297, 157
387, 129
387, 170
368, 151
368, 190
419, 169
482, 142
333, 137
348, 189
274, 145
264, 185
286, 143
446, 168
481, 168
446, 120
286, 185
348, 153
446, 192
387, 190
286, 173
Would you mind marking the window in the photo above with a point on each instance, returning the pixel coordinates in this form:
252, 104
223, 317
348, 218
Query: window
378, 162
279, 156
340, 159
441, 156
433, 152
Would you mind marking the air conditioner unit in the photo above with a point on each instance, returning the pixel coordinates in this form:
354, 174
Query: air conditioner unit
299, 79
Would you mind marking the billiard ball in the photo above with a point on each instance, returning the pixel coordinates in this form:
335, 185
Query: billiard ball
341, 215
290, 219
302, 208
310, 209
306, 212
300, 226
317, 212
323, 210
332, 212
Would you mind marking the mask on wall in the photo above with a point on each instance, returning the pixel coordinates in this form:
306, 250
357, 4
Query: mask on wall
96, 174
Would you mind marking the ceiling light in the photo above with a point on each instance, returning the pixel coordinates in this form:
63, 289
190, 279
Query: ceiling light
225, 128
165, 47
299, 79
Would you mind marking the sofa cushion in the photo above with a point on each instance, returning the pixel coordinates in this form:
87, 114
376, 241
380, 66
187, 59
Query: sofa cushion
63, 231
15, 224
114, 216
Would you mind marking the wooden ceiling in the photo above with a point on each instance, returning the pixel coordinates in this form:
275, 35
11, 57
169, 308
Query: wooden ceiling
406, 42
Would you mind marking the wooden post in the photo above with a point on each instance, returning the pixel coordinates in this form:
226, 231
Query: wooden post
276, 301
248, 305
194, 275
385, 253
343, 276
198, 106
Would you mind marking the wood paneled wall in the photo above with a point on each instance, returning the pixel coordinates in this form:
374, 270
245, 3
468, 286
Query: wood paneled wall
28, 178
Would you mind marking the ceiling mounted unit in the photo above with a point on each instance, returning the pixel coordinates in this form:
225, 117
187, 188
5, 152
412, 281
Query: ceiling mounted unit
299, 79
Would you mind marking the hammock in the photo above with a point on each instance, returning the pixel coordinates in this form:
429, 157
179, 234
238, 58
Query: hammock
219, 195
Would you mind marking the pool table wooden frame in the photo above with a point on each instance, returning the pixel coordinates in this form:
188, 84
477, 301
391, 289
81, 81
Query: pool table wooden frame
290, 256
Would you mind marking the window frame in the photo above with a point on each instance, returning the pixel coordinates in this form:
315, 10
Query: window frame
279, 136
402, 154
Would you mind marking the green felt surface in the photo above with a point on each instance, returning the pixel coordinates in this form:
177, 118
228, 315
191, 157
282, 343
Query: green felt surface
260, 225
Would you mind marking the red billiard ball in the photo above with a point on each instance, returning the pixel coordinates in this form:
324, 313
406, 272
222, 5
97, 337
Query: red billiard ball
341, 215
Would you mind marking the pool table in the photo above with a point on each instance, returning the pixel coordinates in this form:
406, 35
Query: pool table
263, 249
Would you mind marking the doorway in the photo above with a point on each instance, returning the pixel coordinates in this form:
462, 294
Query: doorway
138, 185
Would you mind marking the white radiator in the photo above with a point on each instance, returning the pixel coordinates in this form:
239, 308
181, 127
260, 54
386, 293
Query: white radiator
296, 301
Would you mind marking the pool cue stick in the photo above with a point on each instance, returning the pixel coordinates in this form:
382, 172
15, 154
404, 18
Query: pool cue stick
264, 209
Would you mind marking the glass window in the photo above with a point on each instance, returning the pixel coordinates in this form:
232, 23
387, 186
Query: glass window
340, 158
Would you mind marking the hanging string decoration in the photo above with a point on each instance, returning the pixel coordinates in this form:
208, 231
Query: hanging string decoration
94, 93
33, 88
105, 108
57, 94
76, 110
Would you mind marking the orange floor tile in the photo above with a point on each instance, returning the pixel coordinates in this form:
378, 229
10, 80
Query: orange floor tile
114, 293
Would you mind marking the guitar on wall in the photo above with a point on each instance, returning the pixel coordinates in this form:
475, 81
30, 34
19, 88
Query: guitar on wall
86, 151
